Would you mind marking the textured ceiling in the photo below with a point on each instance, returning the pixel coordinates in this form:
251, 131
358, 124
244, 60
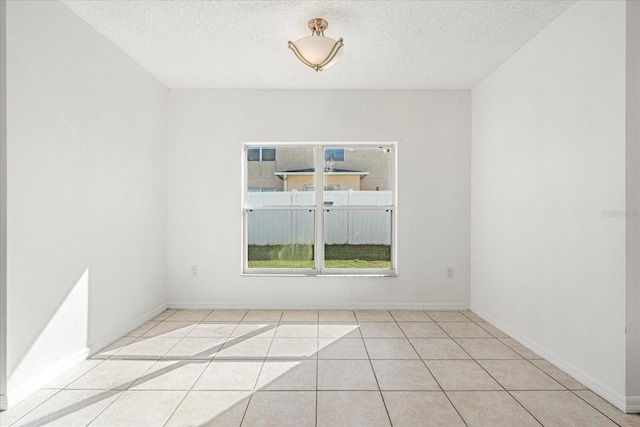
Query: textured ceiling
388, 44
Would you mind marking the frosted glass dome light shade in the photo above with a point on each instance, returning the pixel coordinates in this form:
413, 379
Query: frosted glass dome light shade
317, 51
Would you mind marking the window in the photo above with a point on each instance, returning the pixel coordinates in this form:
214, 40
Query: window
261, 154
334, 154
268, 154
347, 228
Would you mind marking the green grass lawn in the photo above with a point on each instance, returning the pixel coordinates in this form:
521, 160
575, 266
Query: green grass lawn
333, 263
336, 256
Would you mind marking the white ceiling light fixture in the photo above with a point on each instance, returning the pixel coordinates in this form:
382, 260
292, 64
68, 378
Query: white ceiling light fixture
317, 51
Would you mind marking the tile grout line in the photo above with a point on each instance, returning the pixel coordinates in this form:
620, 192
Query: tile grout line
429, 370
148, 372
199, 376
72, 381
508, 392
261, 367
585, 401
492, 377
542, 370
178, 405
119, 392
374, 371
185, 361
122, 392
34, 408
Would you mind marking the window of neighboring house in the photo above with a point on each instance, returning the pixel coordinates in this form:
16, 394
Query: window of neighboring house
334, 154
301, 231
261, 154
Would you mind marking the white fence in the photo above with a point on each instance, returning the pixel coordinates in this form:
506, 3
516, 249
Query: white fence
355, 227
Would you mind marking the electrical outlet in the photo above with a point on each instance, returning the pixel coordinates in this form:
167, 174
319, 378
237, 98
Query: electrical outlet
194, 271
450, 273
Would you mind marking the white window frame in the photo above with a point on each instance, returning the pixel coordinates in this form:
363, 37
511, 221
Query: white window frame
319, 209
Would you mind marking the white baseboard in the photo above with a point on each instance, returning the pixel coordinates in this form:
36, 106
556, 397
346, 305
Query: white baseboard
27, 389
633, 405
616, 399
324, 306
102, 343
3, 402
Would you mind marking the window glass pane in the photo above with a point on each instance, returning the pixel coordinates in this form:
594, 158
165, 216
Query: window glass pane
286, 172
268, 154
280, 238
253, 154
334, 154
364, 178
357, 239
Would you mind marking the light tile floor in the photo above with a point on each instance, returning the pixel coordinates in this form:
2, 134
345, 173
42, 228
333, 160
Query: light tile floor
310, 368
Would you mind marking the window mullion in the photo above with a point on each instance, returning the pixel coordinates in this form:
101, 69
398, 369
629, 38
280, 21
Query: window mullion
319, 190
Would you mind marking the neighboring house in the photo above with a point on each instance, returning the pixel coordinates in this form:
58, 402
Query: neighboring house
292, 168
335, 179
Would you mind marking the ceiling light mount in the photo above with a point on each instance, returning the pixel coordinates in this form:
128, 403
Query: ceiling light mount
317, 26
317, 51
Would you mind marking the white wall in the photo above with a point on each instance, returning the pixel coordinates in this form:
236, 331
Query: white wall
86, 192
206, 131
548, 158
3, 205
633, 204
